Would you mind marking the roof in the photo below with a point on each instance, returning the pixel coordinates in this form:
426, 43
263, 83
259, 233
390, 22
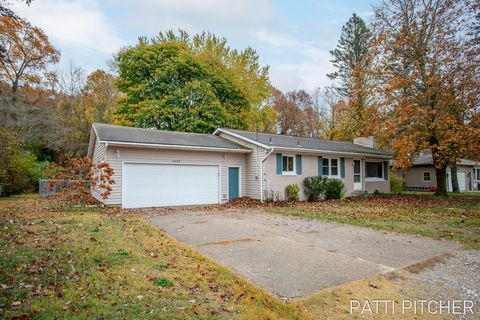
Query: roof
130, 135
293, 142
426, 160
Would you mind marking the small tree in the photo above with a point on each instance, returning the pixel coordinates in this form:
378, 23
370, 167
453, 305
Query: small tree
82, 176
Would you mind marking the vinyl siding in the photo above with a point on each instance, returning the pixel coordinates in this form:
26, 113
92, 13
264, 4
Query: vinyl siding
414, 176
253, 162
98, 156
277, 183
153, 155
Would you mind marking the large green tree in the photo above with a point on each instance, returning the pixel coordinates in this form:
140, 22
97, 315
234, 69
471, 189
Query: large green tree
174, 82
352, 60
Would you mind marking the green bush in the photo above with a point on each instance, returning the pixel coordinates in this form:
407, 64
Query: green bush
20, 172
396, 183
19, 169
291, 192
315, 187
334, 189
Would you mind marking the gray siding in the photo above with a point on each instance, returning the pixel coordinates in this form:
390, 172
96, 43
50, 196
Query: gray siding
153, 155
414, 176
253, 162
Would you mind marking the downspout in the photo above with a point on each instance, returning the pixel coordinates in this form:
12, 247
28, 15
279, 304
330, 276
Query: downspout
261, 173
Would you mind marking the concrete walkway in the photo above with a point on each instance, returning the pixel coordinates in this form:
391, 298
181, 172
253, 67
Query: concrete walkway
293, 257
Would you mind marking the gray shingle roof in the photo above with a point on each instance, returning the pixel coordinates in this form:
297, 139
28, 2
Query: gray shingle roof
426, 159
282, 141
112, 133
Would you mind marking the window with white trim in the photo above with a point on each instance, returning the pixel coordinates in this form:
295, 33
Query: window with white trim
287, 164
374, 170
427, 177
330, 167
477, 174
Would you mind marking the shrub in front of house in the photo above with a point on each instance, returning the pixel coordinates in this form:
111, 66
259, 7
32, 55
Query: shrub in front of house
315, 187
319, 187
335, 189
396, 183
291, 192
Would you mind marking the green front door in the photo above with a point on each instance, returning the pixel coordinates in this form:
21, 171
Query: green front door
233, 183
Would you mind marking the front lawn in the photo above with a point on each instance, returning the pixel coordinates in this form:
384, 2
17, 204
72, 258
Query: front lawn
456, 218
77, 262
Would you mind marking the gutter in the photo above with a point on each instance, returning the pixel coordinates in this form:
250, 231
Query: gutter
316, 151
170, 146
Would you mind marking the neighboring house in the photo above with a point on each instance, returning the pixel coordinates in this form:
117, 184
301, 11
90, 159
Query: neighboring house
421, 176
163, 168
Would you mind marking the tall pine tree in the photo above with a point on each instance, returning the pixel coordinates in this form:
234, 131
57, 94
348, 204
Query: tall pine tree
352, 60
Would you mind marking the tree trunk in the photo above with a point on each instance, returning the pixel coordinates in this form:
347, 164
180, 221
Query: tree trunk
14, 90
454, 177
441, 174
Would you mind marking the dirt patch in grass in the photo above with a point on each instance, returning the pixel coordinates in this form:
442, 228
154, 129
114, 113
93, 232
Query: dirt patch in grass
420, 266
80, 262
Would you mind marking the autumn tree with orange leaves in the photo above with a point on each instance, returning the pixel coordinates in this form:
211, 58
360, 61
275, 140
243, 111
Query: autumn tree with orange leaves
428, 82
27, 52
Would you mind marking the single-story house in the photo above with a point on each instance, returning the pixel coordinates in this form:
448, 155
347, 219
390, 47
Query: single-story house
162, 168
421, 176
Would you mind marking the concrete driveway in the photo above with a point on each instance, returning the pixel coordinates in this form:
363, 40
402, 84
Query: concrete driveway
293, 257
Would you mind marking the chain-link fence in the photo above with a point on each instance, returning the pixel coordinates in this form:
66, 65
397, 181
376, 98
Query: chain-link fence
47, 187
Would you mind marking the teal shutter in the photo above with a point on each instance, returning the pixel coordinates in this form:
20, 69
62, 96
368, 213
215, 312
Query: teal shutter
298, 160
320, 164
385, 170
279, 163
342, 167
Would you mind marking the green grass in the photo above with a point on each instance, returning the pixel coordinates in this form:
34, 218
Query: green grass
91, 263
456, 218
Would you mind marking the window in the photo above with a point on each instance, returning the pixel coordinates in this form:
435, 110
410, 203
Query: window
326, 167
287, 164
374, 169
426, 176
477, 175
334, 167
330, 167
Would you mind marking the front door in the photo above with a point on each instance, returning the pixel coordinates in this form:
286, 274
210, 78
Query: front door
233, 183
357, 175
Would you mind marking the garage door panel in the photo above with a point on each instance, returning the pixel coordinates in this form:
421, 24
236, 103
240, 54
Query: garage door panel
461, 178
151, 185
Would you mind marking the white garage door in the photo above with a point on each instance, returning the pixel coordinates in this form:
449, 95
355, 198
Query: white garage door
157, 185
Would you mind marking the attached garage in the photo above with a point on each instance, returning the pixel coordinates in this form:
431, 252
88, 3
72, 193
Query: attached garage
155, 168
160, 185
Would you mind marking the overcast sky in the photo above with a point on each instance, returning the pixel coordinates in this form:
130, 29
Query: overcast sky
292, 37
